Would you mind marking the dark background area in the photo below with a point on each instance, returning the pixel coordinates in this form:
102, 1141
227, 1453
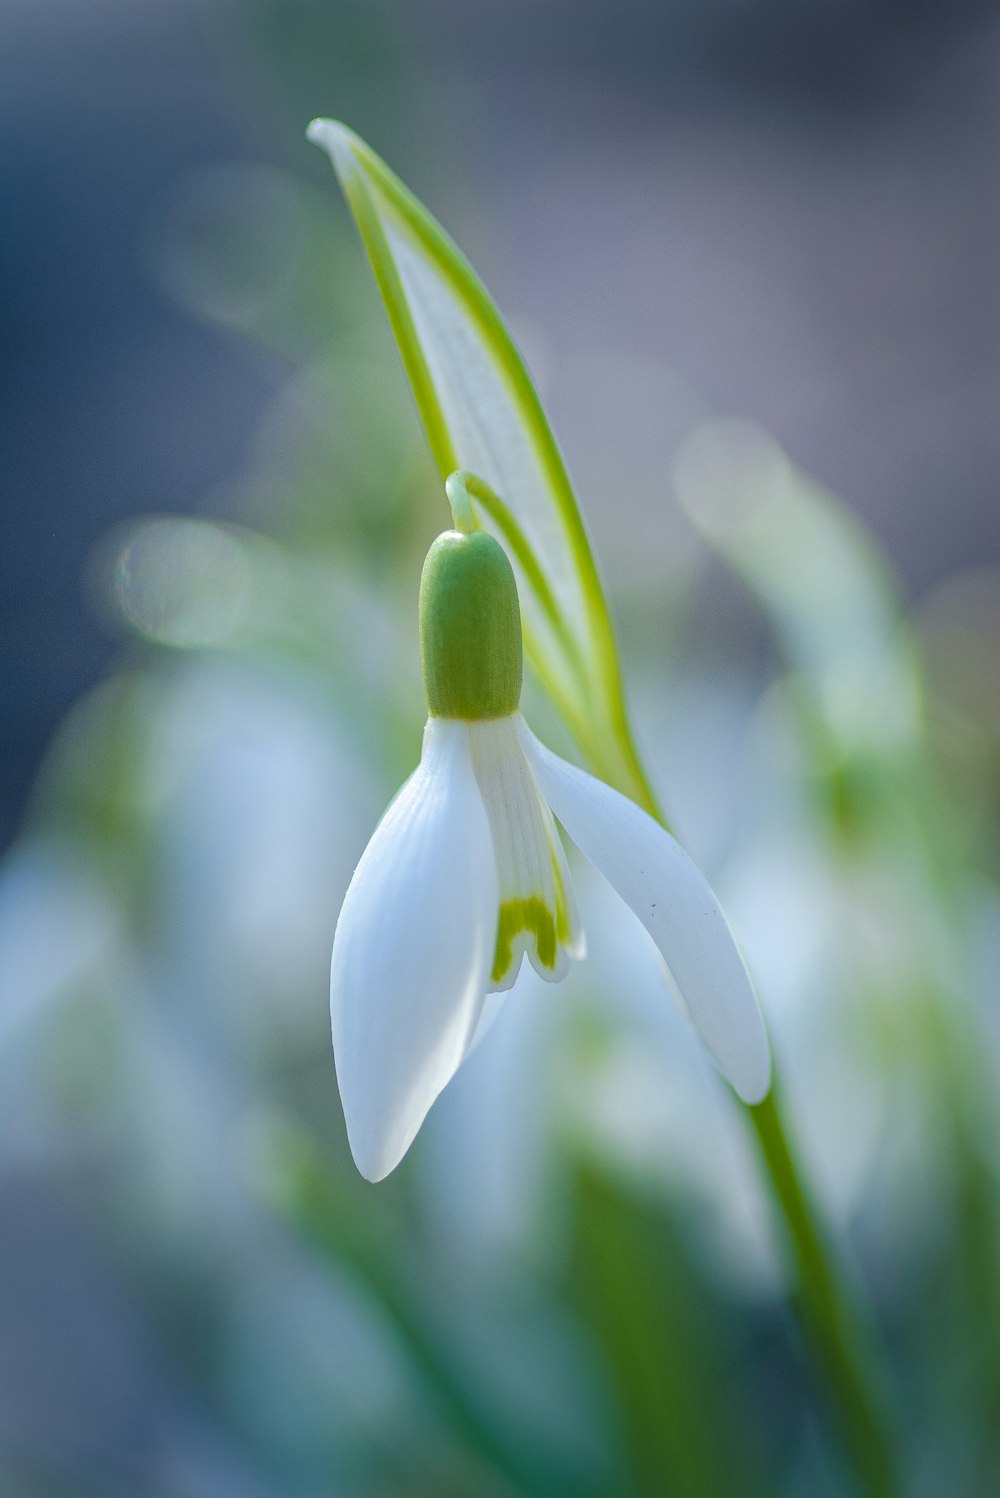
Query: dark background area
790, 210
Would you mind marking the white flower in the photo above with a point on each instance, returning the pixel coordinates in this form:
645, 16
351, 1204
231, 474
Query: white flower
466, 874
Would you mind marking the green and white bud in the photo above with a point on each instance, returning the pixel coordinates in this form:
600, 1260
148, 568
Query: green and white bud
470, 629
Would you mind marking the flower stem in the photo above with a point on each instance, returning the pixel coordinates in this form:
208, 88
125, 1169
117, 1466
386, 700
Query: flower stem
838, 1333
463, 517
829, 1309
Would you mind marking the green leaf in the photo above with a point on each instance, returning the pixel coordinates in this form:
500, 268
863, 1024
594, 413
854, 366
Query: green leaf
818, 576
482, 414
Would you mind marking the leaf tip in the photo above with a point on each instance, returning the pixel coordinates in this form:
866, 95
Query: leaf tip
336, 140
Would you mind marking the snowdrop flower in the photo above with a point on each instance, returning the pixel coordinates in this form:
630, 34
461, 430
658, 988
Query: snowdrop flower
466, 875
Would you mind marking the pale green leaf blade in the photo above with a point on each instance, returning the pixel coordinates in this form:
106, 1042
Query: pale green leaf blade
481, 413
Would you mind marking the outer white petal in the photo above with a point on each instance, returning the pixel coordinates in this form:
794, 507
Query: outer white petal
653, 874
488, 1016
412, 952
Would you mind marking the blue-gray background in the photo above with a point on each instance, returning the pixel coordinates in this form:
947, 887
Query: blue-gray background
790, 209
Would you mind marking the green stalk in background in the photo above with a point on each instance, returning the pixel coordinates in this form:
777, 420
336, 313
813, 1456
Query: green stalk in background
859, 701
482, 415
829, 1309
828, 1304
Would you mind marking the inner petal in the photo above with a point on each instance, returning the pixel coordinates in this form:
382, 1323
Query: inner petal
537, 913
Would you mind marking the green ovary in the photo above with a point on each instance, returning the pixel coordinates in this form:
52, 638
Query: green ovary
470, 629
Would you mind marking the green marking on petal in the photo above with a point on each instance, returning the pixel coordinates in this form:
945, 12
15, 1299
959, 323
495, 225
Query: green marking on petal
530, 914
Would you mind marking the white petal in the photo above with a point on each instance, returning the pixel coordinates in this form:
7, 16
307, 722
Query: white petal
654, 875
538, 914
412, 952
488, 1017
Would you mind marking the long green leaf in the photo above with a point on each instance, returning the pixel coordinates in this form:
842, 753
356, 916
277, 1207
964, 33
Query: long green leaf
481, 413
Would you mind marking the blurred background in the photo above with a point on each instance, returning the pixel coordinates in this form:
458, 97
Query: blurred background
749, 251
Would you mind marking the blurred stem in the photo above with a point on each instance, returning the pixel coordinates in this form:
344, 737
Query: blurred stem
662, 1335
829, 1307
333, 1215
